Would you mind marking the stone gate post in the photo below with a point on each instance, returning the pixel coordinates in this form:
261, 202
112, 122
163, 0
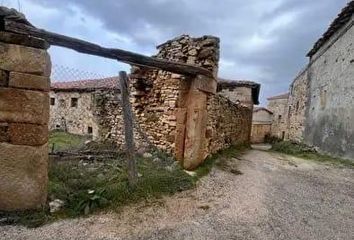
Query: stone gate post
25, 68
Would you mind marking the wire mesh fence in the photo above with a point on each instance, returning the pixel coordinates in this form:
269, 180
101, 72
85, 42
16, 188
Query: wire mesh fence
61, 73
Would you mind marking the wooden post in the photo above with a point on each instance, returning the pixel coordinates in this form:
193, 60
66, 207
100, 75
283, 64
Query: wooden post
128, 129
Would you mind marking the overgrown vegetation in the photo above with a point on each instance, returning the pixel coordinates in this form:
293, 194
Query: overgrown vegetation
63, 141
90, 185
86, 187
303, 151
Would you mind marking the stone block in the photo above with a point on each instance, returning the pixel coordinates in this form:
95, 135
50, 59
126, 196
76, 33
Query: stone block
23, 177
29, 81
28, 134
23, 59
24, 106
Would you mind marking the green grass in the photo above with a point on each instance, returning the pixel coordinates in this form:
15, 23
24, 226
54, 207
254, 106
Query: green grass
303, 151
221, 160
72, 183
88, 187
64, 141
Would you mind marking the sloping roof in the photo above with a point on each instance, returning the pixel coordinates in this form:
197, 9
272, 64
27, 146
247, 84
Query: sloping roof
281, 96
343, 18
257, 109
231, 84
87, 85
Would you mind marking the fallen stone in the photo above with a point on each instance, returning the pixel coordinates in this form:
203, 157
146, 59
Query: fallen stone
56, 205
190, 173
147, 155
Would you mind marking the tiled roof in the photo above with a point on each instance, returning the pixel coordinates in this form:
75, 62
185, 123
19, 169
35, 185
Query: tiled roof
281, 96
230, 84
343, 18
257, 109
87, 85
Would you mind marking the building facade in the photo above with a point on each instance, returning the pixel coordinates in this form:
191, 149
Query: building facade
320, 106
73, 105
278, 105
261, 124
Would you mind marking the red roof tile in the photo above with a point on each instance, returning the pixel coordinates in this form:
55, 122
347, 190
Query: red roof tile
87, 85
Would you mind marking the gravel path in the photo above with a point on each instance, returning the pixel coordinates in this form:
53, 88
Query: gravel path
276, 197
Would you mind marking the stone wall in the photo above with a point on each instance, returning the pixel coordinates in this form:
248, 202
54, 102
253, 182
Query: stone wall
24, 111
297, 104
78, 119
160, 100
158, 97
279, 107
227, 124
109, 116
330, 116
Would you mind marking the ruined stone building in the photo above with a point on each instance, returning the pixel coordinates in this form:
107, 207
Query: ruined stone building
261, 124
320, 108
73, 104
181, 114
159, 101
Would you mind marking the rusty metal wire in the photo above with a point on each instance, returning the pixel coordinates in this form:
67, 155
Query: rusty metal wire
62, 73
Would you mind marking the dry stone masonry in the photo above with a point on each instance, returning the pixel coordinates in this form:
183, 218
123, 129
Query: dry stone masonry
24, 112
161, 101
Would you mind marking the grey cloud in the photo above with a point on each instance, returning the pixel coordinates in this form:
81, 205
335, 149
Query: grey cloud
151, 22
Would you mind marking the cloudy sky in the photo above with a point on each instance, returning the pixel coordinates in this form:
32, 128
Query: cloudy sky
261, 40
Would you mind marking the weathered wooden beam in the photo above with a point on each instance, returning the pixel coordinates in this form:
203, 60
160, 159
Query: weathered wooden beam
128, 129
94, 49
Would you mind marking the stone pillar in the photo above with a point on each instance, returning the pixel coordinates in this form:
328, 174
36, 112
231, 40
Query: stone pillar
24, 113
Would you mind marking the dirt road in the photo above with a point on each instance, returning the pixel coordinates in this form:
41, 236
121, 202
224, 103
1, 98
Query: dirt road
276, 197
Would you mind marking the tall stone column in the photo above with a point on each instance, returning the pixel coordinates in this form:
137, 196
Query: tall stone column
24, 113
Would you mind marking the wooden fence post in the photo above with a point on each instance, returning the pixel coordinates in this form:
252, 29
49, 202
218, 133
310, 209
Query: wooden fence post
128, 129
